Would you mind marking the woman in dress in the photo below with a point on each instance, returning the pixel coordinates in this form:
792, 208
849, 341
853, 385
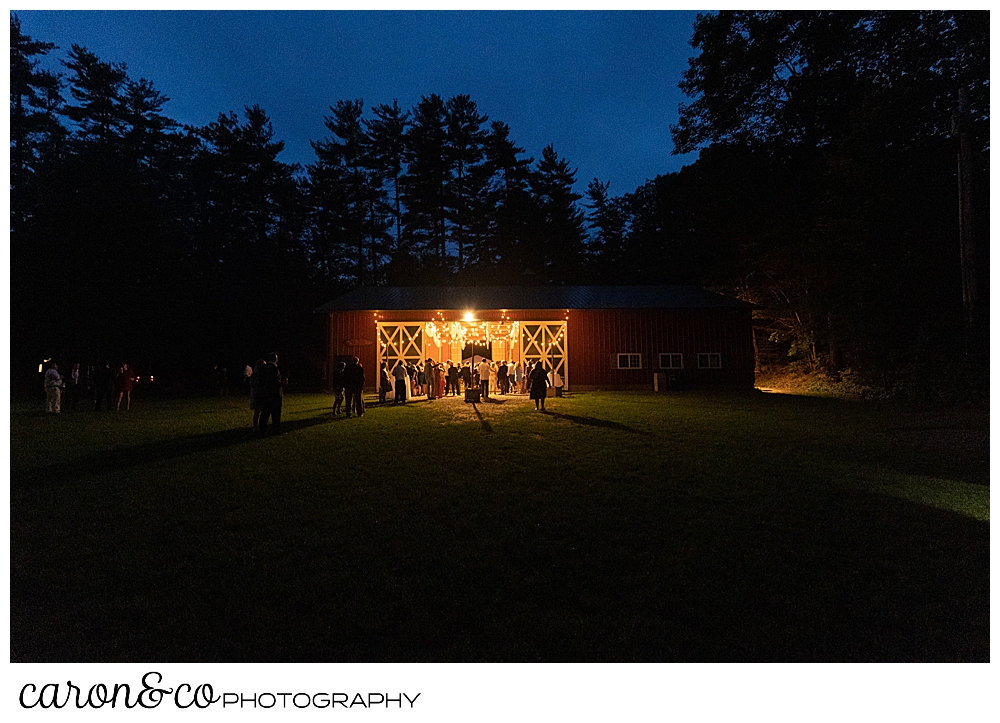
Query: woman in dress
438, 380
538, 382
123, 385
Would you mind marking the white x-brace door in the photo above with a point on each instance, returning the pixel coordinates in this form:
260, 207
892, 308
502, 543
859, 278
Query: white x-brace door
546, 340
401, 341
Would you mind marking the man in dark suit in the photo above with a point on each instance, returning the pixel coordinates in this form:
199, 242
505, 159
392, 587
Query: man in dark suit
502, 376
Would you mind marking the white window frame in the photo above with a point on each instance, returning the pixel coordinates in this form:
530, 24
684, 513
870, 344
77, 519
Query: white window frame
629, 355
670, 359
707, 357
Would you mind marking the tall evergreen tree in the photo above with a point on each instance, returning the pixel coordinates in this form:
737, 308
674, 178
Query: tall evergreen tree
608, 219
465, 190
35, 99
97, 87
145, 125
561, 231
509, 206
425, 182
386, 133
361, 183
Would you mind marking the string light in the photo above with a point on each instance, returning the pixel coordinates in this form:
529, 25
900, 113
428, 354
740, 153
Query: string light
474, 332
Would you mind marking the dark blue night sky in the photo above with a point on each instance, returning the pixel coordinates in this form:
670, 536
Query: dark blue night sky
600, 86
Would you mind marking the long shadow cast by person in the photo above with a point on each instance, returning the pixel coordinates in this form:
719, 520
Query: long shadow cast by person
594, 422
487, 427
121, 459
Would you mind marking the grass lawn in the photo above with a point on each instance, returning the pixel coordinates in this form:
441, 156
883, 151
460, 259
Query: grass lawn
615, 527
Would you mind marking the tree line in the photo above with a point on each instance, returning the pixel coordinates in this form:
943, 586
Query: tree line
826, 192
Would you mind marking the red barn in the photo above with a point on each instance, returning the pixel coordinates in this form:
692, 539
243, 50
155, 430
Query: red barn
595, 337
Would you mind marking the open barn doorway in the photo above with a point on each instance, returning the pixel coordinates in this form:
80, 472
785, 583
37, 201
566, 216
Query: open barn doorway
476, 352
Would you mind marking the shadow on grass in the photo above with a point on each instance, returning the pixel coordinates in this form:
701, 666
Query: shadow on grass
487, 427
594, 422
116, 460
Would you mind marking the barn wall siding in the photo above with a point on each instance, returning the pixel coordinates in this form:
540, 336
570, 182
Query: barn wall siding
597, 336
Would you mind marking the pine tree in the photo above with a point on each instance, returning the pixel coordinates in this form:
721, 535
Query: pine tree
465, 190
145, 126
97, 88
361, 183
35, 99
561, 232
509, 203
386, 133
608, 220
425, 181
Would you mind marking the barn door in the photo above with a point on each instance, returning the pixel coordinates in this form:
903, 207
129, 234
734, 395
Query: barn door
400, 342
546, 340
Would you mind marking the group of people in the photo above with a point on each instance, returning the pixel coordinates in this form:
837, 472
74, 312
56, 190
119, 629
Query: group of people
267, 389
438, 379
266, 383
104, 386
348, 384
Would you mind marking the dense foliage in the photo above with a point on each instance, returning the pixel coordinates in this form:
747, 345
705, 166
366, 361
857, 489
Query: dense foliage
835, 148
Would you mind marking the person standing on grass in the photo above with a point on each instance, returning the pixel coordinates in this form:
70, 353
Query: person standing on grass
502, 376
53, 383
400, 375
124, 384
384, 383
421, 380
337, 379
453, 378
411, 372
557, 382
518, 378
253, 377
439, 380
467, 375
484, 377
429, 378
269, 393
354, 384
538, 383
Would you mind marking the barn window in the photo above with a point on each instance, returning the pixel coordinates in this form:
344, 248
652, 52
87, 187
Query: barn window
671, 361
629, 361
709, 361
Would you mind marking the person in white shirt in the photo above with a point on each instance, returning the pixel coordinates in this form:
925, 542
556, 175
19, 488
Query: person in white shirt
53, 388
557, 382
484, 368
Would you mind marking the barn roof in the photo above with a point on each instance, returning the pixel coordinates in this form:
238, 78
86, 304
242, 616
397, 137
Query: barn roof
378, 298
